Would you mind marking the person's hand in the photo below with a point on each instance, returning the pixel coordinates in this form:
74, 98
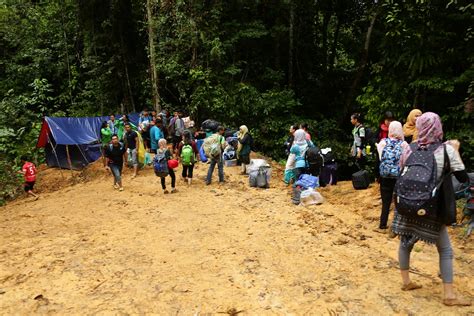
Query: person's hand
359, 153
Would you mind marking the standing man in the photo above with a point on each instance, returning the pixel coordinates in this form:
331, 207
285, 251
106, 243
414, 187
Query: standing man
358, 150
178, 129
111, 123
155, 135
131, 143
214, 145
29, 171
114, 153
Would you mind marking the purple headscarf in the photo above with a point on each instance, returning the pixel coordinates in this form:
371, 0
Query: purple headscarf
429, 128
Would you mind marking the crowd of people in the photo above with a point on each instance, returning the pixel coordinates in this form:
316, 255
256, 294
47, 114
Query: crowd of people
173, 140
400, 152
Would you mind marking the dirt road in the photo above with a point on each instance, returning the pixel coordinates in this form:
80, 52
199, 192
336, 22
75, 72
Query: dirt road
88, 249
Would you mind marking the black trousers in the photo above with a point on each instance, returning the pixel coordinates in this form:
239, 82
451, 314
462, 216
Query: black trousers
387, 186
188, 171
173, 179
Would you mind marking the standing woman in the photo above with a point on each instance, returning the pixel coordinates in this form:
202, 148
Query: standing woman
409, 128
296, 159
432, 231
244, 147
389, 151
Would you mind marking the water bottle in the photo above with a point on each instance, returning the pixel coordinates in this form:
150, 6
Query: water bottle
367, 149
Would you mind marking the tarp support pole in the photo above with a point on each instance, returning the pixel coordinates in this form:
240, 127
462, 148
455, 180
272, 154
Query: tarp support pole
55, 155
69, 160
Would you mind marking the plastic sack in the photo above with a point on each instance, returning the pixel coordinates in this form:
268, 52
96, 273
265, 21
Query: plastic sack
148, 159
307, 181
255, 164
289, 175
310, 197
259, 178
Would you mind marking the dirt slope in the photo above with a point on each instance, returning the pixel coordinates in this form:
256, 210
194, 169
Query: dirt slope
87, 249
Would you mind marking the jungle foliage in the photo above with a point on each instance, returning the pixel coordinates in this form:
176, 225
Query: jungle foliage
266, 64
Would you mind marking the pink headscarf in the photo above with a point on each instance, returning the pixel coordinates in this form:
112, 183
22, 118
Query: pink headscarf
429, 128
395, 130
430, 131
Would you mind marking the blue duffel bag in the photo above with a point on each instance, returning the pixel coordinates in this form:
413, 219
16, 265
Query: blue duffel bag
307, 181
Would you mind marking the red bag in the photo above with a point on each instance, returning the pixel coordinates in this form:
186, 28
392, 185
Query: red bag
173, 163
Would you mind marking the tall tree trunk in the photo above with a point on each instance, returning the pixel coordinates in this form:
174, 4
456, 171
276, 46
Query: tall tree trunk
151, 56
127, 77
291, 46
332, 58
361, 68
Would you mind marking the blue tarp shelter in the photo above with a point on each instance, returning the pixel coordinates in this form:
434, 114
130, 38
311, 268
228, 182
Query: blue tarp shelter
76, 137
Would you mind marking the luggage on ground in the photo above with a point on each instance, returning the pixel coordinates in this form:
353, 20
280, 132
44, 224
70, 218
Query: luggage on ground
307, 181
361, 180
259, 178
328, 174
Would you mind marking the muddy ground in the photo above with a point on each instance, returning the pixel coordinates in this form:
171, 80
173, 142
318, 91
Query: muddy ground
85, 248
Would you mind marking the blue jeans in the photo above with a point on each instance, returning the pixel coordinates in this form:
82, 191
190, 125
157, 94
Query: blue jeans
220, 168
117, 172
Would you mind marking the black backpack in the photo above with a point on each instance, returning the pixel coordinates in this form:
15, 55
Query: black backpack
370, 137
315, 160
417, 188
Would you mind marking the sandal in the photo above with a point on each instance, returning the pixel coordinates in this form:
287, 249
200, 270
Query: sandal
165, 192
411, 286
173, 190
456, 302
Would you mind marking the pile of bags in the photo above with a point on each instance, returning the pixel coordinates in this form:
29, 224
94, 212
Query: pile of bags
260, 173
304, 191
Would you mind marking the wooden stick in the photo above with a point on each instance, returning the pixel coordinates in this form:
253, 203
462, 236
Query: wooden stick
69, 161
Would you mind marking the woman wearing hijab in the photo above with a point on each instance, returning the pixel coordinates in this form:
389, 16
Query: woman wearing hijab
432, 231
296, 159
244, 147
409, 129
389, 152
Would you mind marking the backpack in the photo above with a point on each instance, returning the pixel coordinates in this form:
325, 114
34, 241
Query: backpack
370, 137
389, 162
314, 159
417, 189
212, 146
160, 164
187, 155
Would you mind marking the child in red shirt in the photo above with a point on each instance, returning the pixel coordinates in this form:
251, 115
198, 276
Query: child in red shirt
29, 171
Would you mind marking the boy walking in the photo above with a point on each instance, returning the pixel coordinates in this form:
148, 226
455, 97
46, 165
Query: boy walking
29, 171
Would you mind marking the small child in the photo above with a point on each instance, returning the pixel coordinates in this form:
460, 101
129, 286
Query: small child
29, 171
163, 154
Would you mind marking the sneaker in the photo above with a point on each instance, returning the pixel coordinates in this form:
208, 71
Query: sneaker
165, 191
116, 186
120, 189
